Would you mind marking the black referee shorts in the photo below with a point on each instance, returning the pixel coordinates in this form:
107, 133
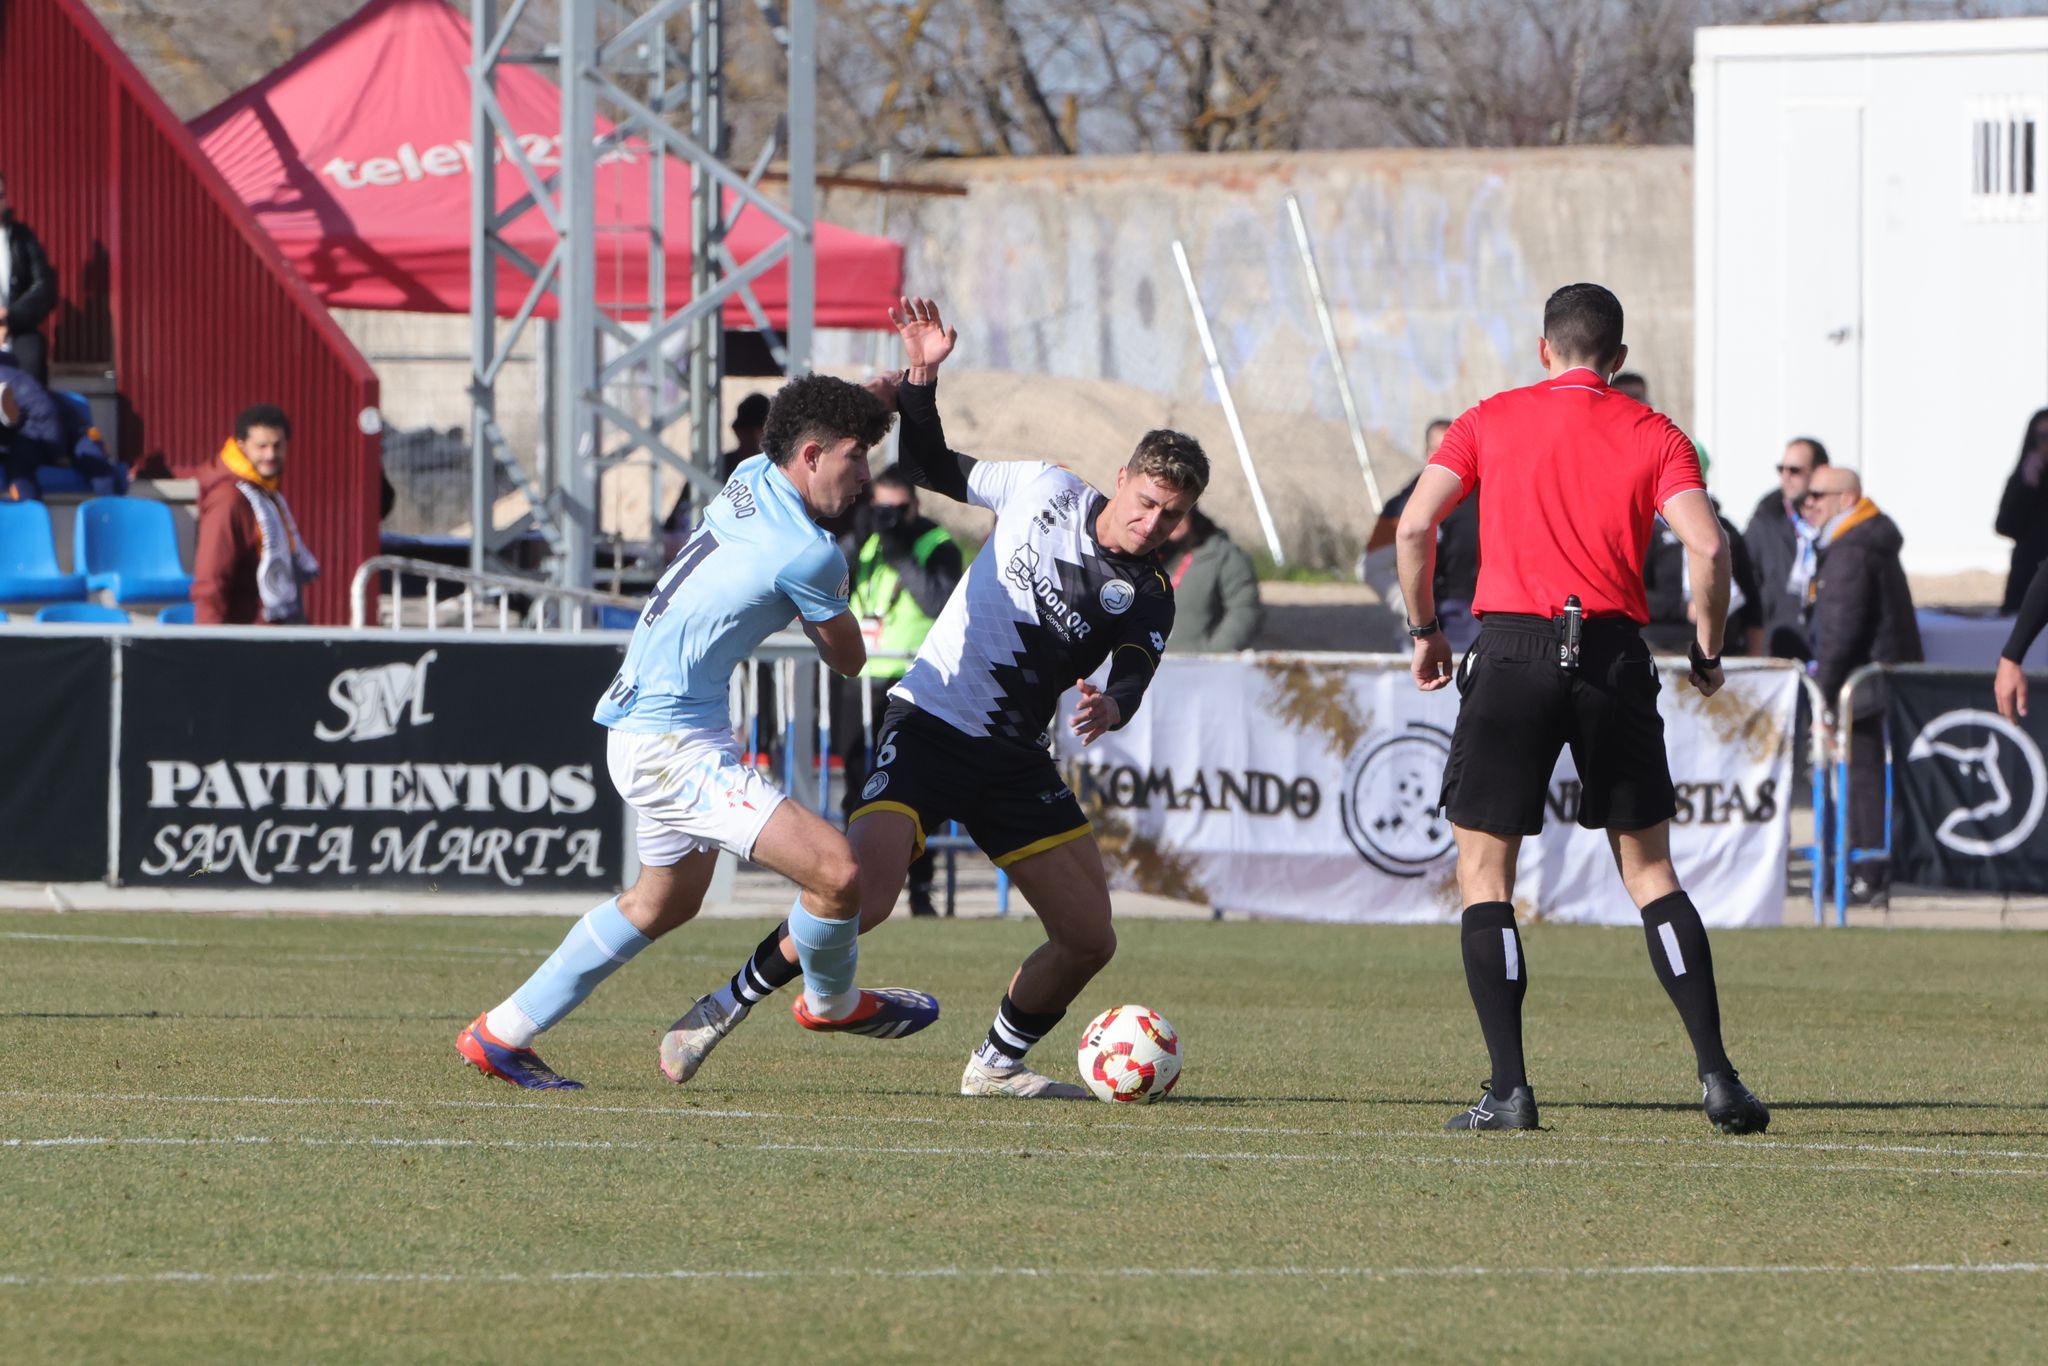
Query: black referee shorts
1008, 795
1518, 708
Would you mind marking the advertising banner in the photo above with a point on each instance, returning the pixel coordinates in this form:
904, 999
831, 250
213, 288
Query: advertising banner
54, 752
374, 763
1968, 786
1306, 788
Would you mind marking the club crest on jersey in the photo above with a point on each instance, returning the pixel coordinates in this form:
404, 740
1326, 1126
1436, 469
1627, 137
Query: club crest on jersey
1023, 572
1117, 596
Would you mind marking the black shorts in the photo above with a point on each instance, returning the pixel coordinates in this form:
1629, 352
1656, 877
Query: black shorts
1008, 795
1518, 708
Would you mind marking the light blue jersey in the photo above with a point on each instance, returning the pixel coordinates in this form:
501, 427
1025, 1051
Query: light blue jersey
756, 557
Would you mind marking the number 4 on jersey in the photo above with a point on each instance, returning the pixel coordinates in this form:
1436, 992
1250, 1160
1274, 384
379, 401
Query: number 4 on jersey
685, 563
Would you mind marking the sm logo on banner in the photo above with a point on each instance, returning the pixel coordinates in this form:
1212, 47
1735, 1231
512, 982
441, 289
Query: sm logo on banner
375, 701
1388, 801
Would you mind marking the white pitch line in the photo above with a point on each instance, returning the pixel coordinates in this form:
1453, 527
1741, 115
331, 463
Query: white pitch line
76, 1142
958, 1273
1749, 1144
251, 955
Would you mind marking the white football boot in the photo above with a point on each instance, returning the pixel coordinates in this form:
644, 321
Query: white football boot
690, 1040
1016, 1080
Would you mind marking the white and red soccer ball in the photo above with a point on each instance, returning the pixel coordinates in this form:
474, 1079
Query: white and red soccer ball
1130, 1054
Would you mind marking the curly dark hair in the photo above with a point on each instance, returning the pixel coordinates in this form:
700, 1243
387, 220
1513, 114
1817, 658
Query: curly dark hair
1173, 458
819, 407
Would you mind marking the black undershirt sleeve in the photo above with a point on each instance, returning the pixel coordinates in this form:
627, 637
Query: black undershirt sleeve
1136, 658
2033, 616
921, 452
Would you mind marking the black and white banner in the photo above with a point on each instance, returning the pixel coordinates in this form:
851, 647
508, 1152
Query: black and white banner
1305, 787
53, 757
453, 766
1969, 787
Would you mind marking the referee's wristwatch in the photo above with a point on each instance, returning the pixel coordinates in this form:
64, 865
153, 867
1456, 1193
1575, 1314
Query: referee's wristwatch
1426, 630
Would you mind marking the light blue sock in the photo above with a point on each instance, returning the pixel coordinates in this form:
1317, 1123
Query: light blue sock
593, 950
826, 950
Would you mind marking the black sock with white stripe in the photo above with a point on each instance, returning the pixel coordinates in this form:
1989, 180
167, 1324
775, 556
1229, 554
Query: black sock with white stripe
1498, 978
1013, 1033
766, 972
1684, 964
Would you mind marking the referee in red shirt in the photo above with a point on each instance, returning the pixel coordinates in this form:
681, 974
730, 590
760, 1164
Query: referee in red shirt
1570, 475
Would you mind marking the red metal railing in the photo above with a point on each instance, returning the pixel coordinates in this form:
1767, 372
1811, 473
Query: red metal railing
168, 281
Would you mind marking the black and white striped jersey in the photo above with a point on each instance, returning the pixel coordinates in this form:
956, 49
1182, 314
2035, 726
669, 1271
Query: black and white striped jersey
1043, 604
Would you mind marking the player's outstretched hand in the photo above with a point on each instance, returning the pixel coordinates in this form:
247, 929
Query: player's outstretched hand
1431, 668
927, 341
2010, 688
1096, 714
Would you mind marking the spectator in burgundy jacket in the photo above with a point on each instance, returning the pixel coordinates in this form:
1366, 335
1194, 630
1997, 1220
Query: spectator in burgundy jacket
251, 561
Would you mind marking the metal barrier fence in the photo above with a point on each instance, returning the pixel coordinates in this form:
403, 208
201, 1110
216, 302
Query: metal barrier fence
784, 706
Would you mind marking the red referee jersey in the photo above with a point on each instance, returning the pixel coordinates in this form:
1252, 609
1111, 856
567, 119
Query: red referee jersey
1571, 474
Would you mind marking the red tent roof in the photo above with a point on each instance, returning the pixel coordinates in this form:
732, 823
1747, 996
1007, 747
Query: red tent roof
355, 157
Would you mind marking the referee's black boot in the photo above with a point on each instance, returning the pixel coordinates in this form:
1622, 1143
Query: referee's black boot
1732, 1107
1515, 1110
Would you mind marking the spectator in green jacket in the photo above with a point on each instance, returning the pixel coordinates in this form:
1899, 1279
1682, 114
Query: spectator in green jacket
904, 569
1215, 590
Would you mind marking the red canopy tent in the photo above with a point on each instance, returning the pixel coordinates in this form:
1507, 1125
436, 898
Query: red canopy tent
355, 156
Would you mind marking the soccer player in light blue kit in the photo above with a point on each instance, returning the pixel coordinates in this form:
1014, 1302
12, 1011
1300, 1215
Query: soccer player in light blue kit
758, 556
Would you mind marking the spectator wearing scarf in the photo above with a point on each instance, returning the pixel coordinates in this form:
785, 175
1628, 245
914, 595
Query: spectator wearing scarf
251, 561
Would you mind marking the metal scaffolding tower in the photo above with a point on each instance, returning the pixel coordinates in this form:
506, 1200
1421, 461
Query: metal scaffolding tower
618, 60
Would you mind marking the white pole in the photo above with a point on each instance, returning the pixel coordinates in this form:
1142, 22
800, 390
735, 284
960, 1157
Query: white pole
1244, 454
1315, 292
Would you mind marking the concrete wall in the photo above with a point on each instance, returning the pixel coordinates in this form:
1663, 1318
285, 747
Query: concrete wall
1436, 265
1059, 273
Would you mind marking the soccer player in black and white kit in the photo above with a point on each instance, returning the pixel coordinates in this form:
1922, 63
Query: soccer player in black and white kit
1069, 579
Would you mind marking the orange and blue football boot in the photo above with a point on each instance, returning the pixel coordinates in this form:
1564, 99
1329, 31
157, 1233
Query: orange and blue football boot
883, 1013
495, 1058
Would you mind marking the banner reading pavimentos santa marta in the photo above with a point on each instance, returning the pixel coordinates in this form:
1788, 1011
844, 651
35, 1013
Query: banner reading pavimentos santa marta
1306, 786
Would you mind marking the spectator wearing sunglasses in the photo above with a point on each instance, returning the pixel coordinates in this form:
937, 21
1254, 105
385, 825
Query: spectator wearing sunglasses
1781, 547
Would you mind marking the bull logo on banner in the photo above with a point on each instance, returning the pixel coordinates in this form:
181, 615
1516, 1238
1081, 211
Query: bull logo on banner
1389, 799
2000, 768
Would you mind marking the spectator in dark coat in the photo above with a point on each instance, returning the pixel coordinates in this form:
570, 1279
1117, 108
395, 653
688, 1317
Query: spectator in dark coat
1215, 589
2023, 512
1669, 596
1862, 614
28, 289
47, 432
1781, 551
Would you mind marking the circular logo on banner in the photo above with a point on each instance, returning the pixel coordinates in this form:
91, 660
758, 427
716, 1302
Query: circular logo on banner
1117, 597
1999, 769
1388, 801
874, 787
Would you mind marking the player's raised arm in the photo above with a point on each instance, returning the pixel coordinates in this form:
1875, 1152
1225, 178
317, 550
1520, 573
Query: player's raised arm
921, 451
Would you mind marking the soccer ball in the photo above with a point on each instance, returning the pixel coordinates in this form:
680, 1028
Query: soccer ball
1130, 1053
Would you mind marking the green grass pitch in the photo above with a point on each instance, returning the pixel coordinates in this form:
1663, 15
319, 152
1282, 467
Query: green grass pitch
250, 1139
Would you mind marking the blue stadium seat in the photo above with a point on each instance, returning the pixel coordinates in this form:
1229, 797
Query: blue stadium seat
97, 613
179, 614
60, 479
28, 558
78, 403
129, 546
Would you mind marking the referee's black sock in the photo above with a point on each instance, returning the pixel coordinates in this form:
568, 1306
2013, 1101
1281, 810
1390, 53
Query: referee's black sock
1684, 964
1499, 978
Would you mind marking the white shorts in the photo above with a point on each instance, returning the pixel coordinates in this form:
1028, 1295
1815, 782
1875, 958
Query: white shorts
690, 792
